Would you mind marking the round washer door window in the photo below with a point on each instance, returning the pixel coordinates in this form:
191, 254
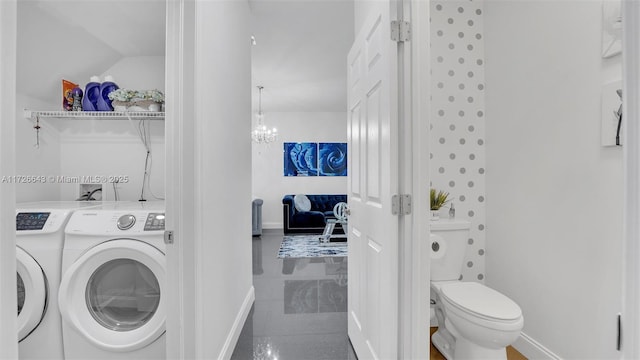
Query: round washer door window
123, 294
112, 295
21, 292
32, 293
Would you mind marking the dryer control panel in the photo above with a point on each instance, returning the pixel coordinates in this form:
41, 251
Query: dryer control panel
31, 220
155, 221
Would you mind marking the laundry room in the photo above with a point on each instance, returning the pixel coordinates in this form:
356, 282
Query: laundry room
90, 84
69, 155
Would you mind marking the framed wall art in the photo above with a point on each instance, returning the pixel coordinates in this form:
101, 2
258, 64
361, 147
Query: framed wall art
301, 159
332, 159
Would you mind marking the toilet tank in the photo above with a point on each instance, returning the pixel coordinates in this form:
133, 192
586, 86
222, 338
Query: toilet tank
449, 239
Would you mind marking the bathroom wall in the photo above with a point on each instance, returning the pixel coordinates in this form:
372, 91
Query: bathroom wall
554, 194
270, 184
457, 134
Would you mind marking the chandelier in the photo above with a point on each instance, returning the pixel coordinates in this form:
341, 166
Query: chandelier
261, 134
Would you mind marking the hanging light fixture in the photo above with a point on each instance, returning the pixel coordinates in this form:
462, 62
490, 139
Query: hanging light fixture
261, 134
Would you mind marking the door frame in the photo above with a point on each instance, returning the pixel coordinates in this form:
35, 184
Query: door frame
8, 299
631, 165
414, 252
184, 324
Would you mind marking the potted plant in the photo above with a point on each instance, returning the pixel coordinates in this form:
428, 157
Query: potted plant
136, 100
438, 199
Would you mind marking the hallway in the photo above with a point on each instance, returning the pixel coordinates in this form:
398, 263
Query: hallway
300, 311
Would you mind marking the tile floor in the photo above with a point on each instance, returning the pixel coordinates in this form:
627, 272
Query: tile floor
300, 311
300, 308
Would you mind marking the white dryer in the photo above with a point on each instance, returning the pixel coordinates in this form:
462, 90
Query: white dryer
111, 293
39, 239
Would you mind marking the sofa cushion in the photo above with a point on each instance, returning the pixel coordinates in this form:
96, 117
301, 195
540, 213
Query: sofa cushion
312, 221
302, 202
308, 220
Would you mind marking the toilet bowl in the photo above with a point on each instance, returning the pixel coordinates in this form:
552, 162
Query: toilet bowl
481, 321
474, 321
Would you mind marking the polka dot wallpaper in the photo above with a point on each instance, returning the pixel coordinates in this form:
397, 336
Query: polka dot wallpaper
458, 122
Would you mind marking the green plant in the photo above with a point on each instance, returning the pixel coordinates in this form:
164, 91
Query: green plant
438, 198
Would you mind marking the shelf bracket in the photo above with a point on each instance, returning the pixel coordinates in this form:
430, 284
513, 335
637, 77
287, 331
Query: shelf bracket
37, 127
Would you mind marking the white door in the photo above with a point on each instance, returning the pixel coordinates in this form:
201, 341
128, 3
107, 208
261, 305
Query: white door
373, 229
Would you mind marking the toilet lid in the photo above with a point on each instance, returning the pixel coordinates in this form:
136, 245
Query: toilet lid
481, 300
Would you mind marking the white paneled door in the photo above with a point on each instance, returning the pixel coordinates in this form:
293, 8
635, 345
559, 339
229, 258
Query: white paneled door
373, 180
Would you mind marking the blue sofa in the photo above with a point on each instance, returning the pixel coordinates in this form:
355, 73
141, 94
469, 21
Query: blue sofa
312, 221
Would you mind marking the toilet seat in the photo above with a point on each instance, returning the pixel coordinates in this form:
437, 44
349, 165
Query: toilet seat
480, 301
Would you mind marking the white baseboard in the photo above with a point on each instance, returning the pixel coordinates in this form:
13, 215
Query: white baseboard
272, 225
238, 324
533, 350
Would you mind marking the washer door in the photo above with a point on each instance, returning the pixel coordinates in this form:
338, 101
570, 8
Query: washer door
112, 295
32, 293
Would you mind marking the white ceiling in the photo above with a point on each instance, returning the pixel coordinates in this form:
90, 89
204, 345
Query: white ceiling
130, 27
301, 53
74, 39
300, 56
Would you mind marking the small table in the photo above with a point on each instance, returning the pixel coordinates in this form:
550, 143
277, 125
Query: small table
328, 237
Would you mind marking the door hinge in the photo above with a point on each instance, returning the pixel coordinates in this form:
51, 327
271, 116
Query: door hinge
168, 237
400, 31
401, 204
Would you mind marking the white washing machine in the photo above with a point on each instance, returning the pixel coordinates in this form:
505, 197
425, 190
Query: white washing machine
39, 239
111, 293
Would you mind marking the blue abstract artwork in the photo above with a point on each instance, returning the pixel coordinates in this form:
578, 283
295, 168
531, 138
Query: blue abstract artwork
300, 159
332, 159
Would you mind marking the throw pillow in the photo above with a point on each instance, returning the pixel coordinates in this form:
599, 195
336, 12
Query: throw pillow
302, 202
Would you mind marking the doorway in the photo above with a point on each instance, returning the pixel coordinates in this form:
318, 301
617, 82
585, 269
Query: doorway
298, 57
522, 116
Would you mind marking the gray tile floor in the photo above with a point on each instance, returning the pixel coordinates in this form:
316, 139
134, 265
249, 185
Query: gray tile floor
300, 312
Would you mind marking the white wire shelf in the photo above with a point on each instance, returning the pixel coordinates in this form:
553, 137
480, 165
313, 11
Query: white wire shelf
106, 115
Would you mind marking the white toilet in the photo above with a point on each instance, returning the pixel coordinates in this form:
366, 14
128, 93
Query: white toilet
474, 321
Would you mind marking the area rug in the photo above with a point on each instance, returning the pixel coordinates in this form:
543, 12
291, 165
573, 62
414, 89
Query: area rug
308, 246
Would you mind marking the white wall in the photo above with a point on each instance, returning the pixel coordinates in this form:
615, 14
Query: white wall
554, 194
223, 182
36, 161
137, 73
112, 148
269, 182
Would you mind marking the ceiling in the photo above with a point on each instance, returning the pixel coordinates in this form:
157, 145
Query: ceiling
299, 56
75, 39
